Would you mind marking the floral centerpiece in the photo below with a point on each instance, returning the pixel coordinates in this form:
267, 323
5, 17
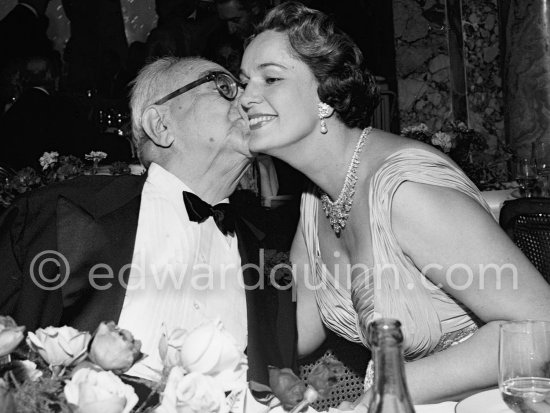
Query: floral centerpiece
55, 168
65, 370
469, 149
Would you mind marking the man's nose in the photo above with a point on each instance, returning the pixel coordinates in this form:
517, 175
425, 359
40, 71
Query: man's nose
236, 110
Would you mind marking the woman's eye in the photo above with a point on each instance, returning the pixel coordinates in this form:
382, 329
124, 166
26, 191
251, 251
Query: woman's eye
271, 80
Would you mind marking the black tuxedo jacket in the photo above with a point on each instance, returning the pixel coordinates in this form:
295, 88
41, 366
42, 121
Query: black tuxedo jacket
61, 233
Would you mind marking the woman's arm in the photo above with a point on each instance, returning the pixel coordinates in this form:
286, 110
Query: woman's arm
472, 259
311, 332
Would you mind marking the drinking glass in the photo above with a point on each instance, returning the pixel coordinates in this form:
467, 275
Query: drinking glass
542, 158
524, 365
526, 176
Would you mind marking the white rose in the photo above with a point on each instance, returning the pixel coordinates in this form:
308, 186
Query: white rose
10, 335
60, 346
192, 393
99, 392
209, 349
170, 346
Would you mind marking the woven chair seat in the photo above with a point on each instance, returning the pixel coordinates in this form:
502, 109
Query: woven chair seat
355, 358
527, 222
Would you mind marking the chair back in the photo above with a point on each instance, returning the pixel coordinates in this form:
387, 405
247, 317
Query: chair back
527, 223
355, 358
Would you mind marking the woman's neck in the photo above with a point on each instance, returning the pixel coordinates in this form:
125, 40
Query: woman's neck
324, 159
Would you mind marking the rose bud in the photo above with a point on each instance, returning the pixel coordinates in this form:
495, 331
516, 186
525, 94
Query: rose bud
114, 348
62, 346
170, 347
10, 335
325, 375
286, 386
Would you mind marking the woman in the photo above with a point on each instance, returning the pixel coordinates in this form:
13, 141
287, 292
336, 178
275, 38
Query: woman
407, 236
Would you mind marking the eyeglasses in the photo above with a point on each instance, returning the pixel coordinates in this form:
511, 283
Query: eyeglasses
227, 86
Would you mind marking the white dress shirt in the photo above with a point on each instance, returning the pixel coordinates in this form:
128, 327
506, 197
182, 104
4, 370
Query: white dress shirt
182, 272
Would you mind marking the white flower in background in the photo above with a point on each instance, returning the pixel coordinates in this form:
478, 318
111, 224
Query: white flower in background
114, 348
10, 335
209, 349
60, 346
462, 126
99, 392
170, 346
95, 156
48, 159
443, 140
192, 393
421, 127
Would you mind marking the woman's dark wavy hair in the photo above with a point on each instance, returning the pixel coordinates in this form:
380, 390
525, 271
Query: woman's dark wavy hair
334, 59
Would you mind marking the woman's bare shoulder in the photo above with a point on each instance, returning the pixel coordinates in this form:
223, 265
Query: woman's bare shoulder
382, 145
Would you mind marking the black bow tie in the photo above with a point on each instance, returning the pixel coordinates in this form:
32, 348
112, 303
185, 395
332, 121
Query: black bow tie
199, 211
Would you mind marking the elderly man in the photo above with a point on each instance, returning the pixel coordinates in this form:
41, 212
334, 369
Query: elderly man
157, 250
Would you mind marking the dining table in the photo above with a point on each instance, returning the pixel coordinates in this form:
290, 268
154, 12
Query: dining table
488, 400
485, 401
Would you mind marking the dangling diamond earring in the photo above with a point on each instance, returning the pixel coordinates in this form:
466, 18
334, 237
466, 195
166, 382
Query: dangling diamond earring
324, 112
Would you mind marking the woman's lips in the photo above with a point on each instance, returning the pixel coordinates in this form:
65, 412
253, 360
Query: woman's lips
257, 121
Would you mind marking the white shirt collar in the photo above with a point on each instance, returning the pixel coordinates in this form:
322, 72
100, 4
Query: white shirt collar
28, 6
169, 183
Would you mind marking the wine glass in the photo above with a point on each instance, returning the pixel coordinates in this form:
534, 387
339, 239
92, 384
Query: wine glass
524, 365
542, 157
526, 176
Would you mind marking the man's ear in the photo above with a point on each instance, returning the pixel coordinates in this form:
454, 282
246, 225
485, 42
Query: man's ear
153, 122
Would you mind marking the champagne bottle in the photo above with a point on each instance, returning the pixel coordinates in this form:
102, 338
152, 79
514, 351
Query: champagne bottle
390, 388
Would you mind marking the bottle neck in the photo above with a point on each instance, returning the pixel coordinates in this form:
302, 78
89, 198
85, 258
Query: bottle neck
390, 388
389, 371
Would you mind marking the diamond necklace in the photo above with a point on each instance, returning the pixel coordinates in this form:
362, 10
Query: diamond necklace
337, 212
